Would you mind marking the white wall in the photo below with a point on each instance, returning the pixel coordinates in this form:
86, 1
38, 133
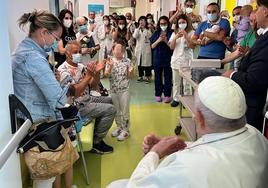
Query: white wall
154, 8
122, 11
10, 173
167, 6
15, 9
141, 8
202, 4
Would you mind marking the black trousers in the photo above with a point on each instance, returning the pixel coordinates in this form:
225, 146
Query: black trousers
255, 117
147, 70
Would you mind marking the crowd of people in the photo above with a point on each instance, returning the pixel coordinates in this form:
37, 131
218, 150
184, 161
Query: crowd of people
82, 51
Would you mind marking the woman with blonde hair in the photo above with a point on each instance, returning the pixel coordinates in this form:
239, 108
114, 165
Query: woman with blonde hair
34, 81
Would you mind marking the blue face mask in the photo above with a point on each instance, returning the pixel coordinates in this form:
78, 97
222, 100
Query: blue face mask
53, 46
83, 28
76, 58
212, 17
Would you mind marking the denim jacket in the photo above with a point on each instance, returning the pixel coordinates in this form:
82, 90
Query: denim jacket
35, 83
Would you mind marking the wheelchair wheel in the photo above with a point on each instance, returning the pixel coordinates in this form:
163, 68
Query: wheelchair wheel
178, 129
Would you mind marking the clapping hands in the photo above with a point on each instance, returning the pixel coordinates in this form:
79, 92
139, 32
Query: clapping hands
162, 146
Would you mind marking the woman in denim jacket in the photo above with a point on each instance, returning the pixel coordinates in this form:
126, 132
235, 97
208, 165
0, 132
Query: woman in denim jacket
34, 82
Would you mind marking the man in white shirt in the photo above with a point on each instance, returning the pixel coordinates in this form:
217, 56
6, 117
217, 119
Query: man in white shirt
228, 154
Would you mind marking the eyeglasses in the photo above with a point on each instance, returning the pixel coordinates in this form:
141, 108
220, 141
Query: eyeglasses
55, 36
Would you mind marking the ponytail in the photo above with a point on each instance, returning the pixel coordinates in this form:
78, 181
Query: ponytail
39, 19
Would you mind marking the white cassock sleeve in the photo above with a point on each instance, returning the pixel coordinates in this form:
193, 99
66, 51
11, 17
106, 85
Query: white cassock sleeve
146, 166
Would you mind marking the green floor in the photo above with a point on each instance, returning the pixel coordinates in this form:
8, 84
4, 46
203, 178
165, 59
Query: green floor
147, 117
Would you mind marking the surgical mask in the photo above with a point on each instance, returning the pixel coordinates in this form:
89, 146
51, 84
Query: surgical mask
149, 20
188, 10
83, 28
53, 46
106, 22
260, 31
237, 18
182, 26
195, 26
128, 21
121, 26
212, 17
67, 23
76, 58
163, 27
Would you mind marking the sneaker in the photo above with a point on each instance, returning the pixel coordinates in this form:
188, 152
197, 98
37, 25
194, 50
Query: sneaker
74, 186
123, 135
140, 79
147, 80
174, 104
167, 99
95, 93
158, 99
116, 132
102, 148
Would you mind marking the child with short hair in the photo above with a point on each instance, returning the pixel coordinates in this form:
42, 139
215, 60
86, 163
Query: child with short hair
119, 70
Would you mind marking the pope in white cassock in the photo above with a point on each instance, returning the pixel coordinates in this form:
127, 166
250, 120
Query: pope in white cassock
228, 154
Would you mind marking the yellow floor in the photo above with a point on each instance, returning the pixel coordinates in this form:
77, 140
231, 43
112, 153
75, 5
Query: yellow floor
146, 117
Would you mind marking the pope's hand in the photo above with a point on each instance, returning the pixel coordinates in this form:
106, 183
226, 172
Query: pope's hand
168, 145
149, 141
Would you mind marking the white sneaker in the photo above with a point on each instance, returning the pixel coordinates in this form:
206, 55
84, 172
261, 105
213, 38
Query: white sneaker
95, 93
74, 186
123, 135
116, 132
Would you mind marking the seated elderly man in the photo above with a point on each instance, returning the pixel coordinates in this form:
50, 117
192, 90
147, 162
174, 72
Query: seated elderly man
229, 153
99, 108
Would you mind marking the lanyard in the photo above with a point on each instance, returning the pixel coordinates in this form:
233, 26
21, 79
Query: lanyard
217, 140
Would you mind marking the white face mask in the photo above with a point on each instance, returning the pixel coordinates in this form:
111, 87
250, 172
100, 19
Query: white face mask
163, 27
121, 26
188, 10
128, 21
195, 26
106, 22
76, 58
182, 26
149, 20
67, 23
